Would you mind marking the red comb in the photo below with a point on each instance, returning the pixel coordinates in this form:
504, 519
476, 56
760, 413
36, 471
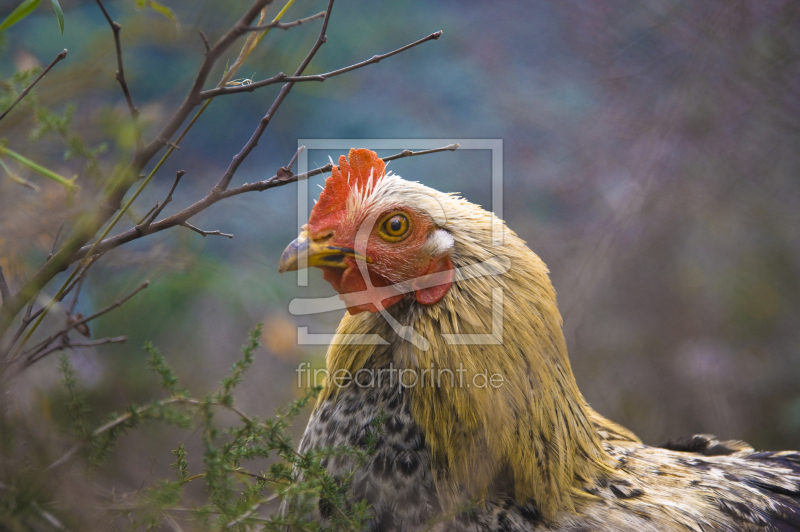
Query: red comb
348, 175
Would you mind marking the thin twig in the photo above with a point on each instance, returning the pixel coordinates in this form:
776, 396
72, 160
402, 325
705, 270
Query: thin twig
178, 175
112, 200
262, 125
71, 307
71, 345
285, 173
192, 99
81, 274
285, 25
116, 27
205, 41
109, 308
4, 292
28, 318
147, 215
55, 241
32, 352
27, 89
300, 150
409, 153
281, 77
205, 233
75, 248
211, 198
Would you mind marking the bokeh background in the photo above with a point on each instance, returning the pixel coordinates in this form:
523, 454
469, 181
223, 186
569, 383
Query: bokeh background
651, 158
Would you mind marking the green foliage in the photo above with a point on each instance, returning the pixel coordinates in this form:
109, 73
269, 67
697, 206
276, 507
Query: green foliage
77, 399
159, 8
224, 396
59, 14
237, 495
158, 365
26, 8
11, 88
47, 122
22, 10
50, 122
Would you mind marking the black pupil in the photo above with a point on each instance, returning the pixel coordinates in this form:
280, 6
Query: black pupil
395, 224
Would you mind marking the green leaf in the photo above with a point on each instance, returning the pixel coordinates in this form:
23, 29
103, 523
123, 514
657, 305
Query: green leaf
161, 9
22, 11
49, 174
59, 14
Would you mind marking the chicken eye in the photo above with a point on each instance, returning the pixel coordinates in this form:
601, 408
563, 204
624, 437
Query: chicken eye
394, 228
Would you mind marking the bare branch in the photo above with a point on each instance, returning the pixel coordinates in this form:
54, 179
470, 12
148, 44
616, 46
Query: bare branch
262, 125
4, 293
178, 175
285, 25
285, 173
72, 345
121, 183
75, 248
27, 89
205, 41
27, 355
109, 308
212, 198
205, 233
192, 99
300, 150
116, 27
81, 274
71, 308
55, 241
147, 215
281, 77
28, 318
408, 153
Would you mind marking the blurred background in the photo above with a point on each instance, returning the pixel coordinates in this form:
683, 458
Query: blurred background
651, 158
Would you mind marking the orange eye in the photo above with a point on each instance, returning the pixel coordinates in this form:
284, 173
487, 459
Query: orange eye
394, 228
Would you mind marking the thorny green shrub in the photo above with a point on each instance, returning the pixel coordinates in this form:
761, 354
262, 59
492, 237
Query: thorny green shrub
235, 492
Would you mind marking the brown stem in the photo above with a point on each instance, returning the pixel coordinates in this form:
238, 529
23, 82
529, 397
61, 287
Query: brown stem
85, 229
27, 89
205, 233
281, 77
178, 175
116, 27
286, 25
32, 353
212, 198
4, 293
120, 184
72, 345
262, 125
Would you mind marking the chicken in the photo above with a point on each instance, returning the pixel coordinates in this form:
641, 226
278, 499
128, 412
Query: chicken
485, 427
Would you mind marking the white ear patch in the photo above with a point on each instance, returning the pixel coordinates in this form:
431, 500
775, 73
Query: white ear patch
439, 242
